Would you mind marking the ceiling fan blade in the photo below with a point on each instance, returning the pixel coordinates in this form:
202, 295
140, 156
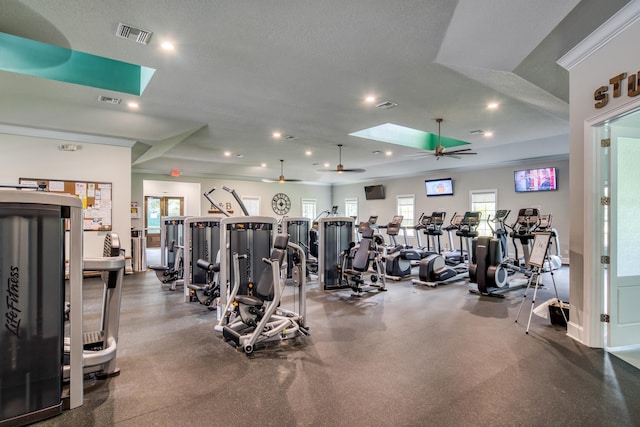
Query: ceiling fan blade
458, 153
340, 168
458, 150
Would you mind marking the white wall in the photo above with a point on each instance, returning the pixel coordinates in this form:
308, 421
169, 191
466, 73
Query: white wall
31, 157
497, 178
165, 184
605, 54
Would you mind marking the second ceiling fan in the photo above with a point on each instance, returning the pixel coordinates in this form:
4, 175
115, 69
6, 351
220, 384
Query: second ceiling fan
441, 151
281, 178
340, 168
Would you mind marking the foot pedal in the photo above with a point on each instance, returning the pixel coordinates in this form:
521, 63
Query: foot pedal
93, 340
231, 335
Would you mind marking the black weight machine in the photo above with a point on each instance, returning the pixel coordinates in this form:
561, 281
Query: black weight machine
364, 259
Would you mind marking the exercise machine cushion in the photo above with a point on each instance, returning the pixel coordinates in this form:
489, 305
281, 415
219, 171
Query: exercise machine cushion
208, 266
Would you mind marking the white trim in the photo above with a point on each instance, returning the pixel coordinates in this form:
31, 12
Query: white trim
65, 136
592, 331
615, 25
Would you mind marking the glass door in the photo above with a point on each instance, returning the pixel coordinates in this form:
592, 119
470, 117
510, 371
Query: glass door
155, 209
619, 159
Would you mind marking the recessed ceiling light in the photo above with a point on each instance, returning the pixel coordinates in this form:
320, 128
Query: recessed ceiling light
488, 134
227, 153
493, 105
326, 165
388, 153
166, 45
370, 99
276, 135
264, 165
308, 153
133, 104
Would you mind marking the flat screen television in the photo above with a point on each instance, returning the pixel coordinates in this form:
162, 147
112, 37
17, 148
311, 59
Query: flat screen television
542, 179
439, 187
374, 192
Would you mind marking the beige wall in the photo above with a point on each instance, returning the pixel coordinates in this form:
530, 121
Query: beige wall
497, 178
34, 157
172, 186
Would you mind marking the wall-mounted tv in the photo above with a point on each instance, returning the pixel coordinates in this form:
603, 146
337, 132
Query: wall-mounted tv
542, 179
439, 187
374, 192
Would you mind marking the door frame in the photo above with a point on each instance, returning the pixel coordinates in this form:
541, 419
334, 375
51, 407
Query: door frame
594, 295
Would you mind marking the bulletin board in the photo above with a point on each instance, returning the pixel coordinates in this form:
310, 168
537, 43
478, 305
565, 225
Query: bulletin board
96, 199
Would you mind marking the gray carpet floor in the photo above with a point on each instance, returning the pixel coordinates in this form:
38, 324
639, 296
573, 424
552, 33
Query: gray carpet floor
412, 356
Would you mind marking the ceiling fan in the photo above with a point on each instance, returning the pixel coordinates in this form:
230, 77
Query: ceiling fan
441, 151
281, 178
340, 168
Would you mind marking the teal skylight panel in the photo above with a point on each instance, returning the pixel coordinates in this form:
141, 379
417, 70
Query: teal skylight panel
408, 137
33, 58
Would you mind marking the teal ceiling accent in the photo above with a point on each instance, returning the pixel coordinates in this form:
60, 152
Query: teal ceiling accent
400, 135
33, 58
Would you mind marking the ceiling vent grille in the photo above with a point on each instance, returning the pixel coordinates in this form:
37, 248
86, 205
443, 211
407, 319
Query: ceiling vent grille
108, 99
386, 105
130, 32
289, 137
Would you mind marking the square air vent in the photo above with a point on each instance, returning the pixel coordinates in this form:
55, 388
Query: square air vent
130, 32
386, 104
109, 99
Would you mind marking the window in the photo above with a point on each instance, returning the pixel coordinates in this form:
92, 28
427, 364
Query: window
484, 201
309, 208
351, 207
405, 208
252, 203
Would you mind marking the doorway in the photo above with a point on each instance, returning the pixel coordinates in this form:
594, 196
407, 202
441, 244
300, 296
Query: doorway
155, 208
618, 158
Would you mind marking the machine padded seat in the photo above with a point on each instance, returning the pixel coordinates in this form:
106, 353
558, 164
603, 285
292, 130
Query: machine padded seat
208, 266
249, 300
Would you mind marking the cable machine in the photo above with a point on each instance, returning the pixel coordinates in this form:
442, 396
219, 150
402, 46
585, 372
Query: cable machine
251, 236
298, 231
335, 236
202, 241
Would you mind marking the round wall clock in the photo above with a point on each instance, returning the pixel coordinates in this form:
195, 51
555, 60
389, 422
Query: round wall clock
281, 204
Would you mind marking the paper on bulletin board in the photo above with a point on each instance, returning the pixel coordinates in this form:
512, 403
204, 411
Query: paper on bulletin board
91, 190
105, 191
56, 185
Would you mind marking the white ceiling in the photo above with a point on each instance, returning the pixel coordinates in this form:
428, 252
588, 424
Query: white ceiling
243, 69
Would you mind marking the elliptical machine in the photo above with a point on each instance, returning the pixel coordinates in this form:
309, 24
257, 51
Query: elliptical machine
397, 265
499, 229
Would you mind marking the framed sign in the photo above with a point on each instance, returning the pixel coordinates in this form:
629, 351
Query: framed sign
539, 250
96, 199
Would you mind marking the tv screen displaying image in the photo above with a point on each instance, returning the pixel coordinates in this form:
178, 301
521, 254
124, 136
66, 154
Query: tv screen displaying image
543, 179
374, 192
439, 187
